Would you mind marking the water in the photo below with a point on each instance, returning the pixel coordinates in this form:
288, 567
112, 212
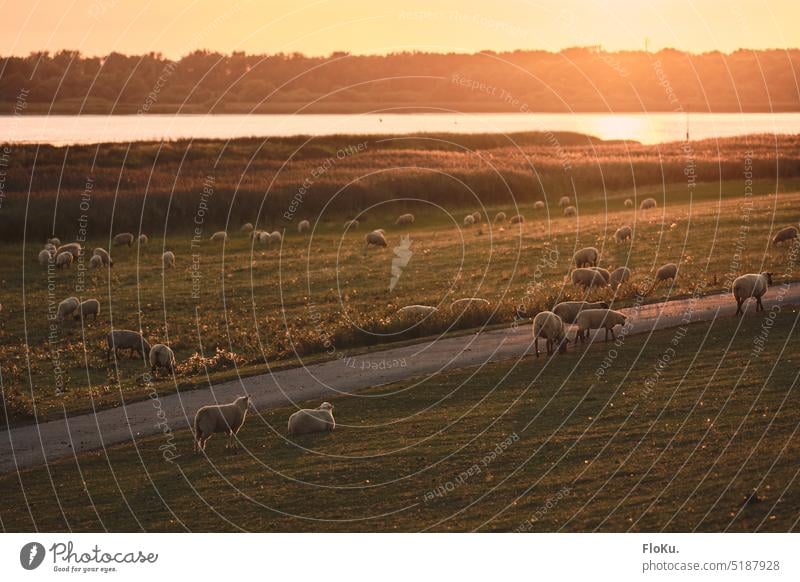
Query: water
647, 128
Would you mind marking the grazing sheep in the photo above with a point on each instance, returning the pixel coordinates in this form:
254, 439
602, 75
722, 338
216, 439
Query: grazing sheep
563, 202
87, 308
477, 216
570, 211
227, 418
586, 257
517, 219
623, 233
125, 339
664, 273
784, 234
64, 260
104, 256
303, 226
168, 259
123, 238
45, 257
67, 308
161, 356
220, 235
72, 248
414, 310
143, 240
469, 220
263, 237
568, 310
538, 205
499, 217
628, 203
311, 420
375, 238
246, 227
405, 219
751, 285
597, 318
95, 262
648, 203
351, 224
548, 325
588, 278
603, 272
467, 302
55, 241
275, 237
619, 276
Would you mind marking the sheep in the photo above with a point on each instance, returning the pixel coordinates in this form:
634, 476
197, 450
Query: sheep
220, 235
469, 220
123, 238
254, 234
95, 262
628, 203
750, 285
405, 219
538, 205
67, 308
351, 224
64, 260
648, 203
586, 257
568, 310
467, 302
143, 240
125, 339
104, 256
784, 234
310, 420
161, 356
264, 237
414, 310
500, 217
597, 318
275, 237
227, 418
603, 273
55, 241
665, 272
564, 201
168, 259
588, 278
619, 276
477, 216
623, 233
246, 227
72, 248
50, 247
374, 238
87, 308
517, 219
549, 325
570, 211
45, 257
303, 226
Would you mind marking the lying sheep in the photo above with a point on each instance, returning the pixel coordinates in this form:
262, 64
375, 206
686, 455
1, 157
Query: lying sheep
375, 238
95, 262
275, 237
351, 224
517, 219
220, 235
161, 356
64, 260
548, 325
664, 273
67, 308
648, 203
311, 420
104, 256
563, 202
477, 217
246, 227
72, 248
500, 217
125, 339
751, 285
303, 226
227, 418
87, 308
619, 276
597, 318
628, 203
469, 220
586, 257
45, 257
784, 234
538, 205
168, 259
623, 233
588, 278
467, 302
123, 238
415, 310
568, 310
143, 240
405, 219
570, 211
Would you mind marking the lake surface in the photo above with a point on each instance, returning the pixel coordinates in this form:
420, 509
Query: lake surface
643, 127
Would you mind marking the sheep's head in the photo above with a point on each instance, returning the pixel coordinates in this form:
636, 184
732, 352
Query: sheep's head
244, 403
768, 276
326, 406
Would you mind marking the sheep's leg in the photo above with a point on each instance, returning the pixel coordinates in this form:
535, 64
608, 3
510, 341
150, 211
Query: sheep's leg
605, 339
738, 307
536, 344
612, 334
759, 304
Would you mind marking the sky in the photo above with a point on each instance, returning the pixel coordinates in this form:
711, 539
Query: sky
320, 27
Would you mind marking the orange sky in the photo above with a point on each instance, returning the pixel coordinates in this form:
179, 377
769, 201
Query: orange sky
175, 27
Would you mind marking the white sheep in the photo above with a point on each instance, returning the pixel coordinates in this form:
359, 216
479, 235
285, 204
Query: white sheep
123, 238
227, 418
664, 273
568, 310
45, 257
246, 227
64, 260
628, 203
375, 238
51, 248
220, 235
168, 259
751, 285
588, 278
351, 224
623, 233
548, 325
416, 310
125, 339
303, 226
619, 276
467, 302
570, 211
67, 308
477, 216
597, 318
143, 240
161, 356
648, 203
469, 220
517, 219
500, 217
72, 248
95, 262
405, 219
87, 308
564, 201
263, 237
784, 234
538, 205
55, 241
311, 420
586, 257
275, 237
104, 256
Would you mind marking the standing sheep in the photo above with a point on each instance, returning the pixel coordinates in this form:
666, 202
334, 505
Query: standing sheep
95, 262
275, 237
588, 278
548, 325
123, 238
311, 420
227, 418
104, 256
619, 276
568, 310
500, 217
72, 248
67, 308
603, 273
375, 238
143, 240
623, 233
64, 260
597, 318
467, 302
87, 308
303, 226
404, 219
55, 241
665, 273
648, 203
168, 259
246, 227
538, 205
125, 339
628, 203
586, 257
264, 237
469, 220
784, 234
517, 219
45, 257
477, 216
161, 356
220, 235
570, 211
564, 201
751, 285
351, 224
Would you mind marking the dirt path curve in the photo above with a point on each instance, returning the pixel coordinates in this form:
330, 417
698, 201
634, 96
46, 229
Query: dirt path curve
31, 445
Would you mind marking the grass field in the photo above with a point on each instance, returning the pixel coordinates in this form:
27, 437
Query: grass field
532, 445
241, 308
